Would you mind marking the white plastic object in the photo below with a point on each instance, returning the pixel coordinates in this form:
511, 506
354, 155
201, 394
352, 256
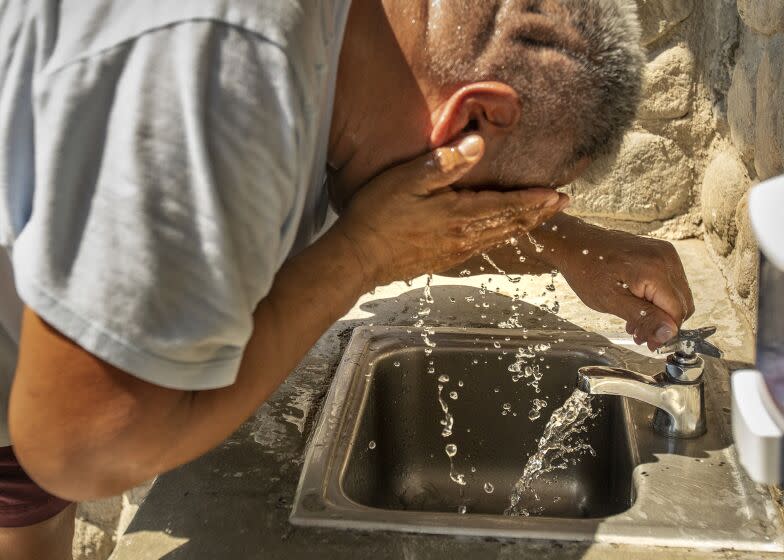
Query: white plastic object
766, 210
757, 428
757, 420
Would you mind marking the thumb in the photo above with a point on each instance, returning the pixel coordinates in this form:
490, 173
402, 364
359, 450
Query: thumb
647, 322
437, 169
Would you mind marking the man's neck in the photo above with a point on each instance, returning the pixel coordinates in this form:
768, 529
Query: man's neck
381, 115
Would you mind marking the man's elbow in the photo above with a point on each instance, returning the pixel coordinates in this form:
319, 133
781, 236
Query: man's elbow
68, 467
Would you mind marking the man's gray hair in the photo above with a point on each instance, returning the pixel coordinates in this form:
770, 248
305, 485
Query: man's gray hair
587, 98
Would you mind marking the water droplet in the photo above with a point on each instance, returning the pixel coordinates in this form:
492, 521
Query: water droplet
585, 251
443, 378
496, 344
431, 370
371, 444
451, 449
507, 406
554, 228
460, 383
489, 488
453, 395
396, 364
465, 273
462, 510
539, 248
643, 313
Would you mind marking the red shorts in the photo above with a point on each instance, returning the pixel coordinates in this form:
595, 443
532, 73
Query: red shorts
22, 501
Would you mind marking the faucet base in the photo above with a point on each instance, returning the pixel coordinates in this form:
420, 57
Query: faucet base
663, 425
687, 426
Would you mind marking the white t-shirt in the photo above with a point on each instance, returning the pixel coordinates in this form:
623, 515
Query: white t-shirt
159, 161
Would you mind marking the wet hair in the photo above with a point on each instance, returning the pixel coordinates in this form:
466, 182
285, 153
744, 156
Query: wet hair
577, 68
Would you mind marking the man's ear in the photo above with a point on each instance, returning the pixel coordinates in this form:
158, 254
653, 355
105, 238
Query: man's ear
487, 108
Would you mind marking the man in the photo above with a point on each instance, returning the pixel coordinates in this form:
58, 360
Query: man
162, 181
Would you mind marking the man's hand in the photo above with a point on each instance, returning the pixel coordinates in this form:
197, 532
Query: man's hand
636, 278
409, 221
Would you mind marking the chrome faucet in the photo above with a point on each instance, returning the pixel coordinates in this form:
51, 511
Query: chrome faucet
677, 392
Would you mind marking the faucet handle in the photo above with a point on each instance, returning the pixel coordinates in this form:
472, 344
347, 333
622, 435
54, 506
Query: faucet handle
689, 343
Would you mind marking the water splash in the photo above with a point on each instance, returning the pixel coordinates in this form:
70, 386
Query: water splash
448, 421
457, 478
536, 409
561, 442
537, 246
499, 270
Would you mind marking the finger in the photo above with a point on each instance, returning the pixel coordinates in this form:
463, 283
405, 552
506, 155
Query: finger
648, 322
507, 205
437, 169
665, 293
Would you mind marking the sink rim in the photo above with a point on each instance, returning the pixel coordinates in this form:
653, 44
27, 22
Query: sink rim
321, 502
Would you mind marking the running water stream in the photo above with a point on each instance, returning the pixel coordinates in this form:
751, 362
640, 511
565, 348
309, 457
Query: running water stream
561, 443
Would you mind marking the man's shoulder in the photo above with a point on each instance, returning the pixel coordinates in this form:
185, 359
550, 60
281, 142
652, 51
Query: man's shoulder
86, 29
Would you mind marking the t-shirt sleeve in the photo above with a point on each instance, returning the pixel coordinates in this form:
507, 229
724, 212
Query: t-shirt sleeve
165, 175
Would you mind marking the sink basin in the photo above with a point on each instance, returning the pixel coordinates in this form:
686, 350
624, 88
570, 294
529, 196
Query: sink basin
408, 468
377, 459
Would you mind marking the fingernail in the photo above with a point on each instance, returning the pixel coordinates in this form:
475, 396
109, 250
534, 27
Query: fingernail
552, 201
470, 147
663, 333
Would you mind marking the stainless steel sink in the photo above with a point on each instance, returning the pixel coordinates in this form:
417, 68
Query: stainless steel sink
377, 459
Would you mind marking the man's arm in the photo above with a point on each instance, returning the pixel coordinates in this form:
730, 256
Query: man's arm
84, 429
639, 279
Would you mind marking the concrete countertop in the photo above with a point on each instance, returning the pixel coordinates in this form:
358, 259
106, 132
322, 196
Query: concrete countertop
234, 502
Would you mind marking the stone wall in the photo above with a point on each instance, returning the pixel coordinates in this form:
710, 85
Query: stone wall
711, 125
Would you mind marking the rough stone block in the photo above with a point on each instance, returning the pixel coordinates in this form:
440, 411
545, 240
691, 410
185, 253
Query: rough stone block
657, 17
742, 95
650, 179
769, 136
91, 542
103, 513
668, 85
765, 16
723, 185
746, 255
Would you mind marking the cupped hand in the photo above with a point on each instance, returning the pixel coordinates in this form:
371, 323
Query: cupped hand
637, 278
409, 220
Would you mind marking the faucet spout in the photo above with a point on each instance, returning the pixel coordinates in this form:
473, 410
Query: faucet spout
680, 408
